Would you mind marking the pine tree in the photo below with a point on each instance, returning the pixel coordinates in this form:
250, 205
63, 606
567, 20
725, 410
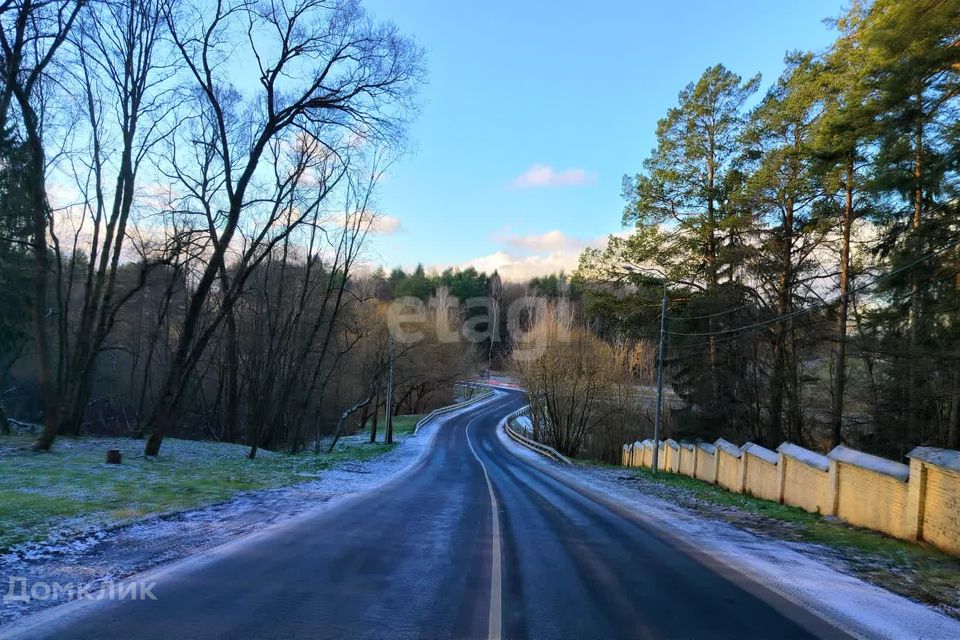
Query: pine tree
909, 49
689, 190
687, 180
842, 160
781, 190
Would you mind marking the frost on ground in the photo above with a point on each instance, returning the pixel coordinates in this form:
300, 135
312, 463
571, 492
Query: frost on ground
816, 576
100, 556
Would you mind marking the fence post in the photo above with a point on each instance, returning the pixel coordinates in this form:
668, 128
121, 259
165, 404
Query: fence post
916, 497
781, 476
833, 501
742, 481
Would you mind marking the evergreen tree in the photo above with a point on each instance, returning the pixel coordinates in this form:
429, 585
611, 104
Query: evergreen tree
688, 191
909, 51
14, 260
842, 161
781, 191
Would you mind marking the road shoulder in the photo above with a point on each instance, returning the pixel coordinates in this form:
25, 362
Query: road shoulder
799, 572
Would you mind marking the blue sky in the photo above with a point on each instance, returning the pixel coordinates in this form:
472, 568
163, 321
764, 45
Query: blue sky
534, 111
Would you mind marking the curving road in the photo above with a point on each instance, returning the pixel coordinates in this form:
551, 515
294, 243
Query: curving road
424, 557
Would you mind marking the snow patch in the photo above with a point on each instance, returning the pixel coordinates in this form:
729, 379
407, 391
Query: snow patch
873, 463
947, 458
728, 447
760, 452
524, 423
807, 457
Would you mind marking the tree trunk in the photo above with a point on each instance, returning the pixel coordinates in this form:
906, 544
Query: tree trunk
953, 434
794, 390
913, 408
376, 415
840, 356
36, 196
389, 404
778, 381
76, 395
233, 373
364, 416
159, 428
343, 418
4, 423
713, 277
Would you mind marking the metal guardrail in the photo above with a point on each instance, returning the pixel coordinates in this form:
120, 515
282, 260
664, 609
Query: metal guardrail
533, 445
469, 384
453, 407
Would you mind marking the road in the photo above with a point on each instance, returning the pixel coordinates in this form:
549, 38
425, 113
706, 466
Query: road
424, 557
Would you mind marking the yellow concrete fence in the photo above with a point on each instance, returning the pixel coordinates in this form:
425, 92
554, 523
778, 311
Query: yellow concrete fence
919, 501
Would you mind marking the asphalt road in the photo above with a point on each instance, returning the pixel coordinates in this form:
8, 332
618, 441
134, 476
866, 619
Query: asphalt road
424, 557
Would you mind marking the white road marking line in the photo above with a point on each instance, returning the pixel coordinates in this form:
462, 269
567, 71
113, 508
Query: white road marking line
495, 622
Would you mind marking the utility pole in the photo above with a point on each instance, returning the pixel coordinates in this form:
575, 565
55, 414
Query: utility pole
389, 413
659, 410
657, 417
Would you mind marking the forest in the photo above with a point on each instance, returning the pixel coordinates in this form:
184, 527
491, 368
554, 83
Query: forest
807, 235
183, 242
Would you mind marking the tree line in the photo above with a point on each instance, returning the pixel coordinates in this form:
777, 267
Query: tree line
808, 236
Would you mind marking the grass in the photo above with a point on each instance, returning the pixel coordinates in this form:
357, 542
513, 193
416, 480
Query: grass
72, 486
917, 571
401, 425
405, 424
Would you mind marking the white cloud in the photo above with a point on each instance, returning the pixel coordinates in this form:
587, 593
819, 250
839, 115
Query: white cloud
384, 225
529, 256
522, 268
379, 224
544, 175
550, 241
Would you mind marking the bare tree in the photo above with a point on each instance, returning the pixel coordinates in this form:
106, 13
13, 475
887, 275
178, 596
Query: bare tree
123, 82
570, 375
326, 72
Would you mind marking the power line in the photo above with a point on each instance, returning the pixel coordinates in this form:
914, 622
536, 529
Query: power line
719, 313
822, 305
916, 234
730, 338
